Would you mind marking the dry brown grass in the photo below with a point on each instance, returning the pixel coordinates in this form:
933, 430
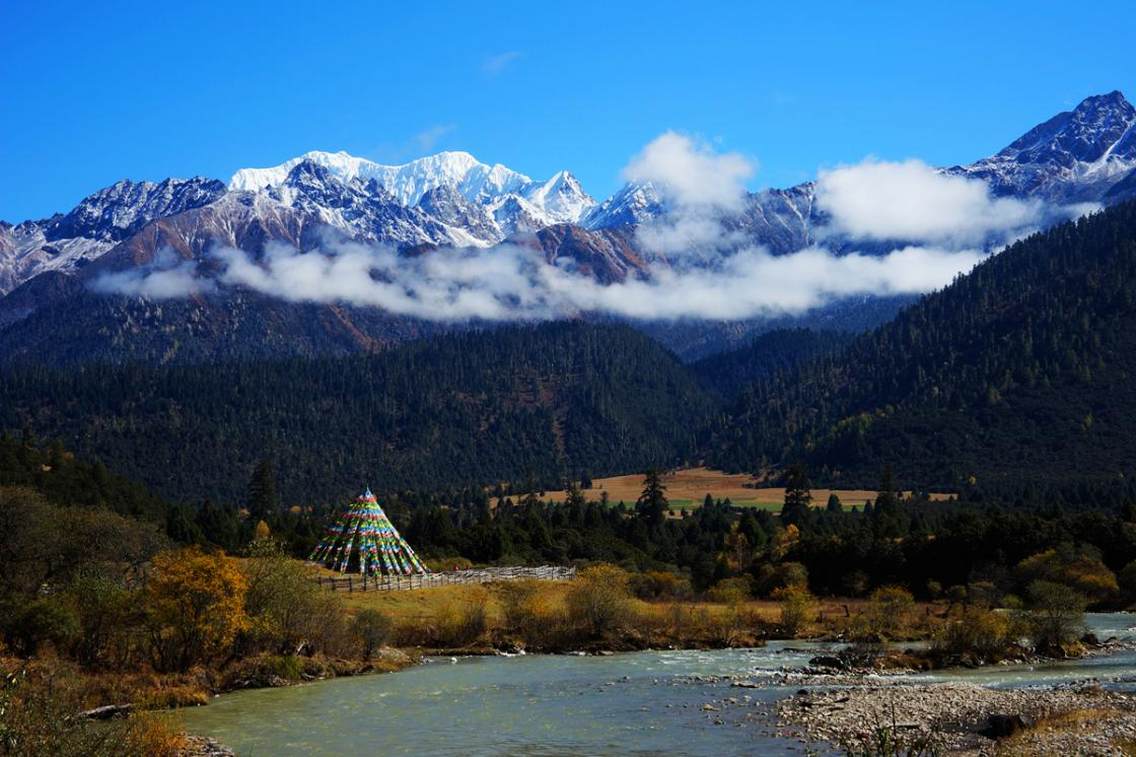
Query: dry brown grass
689, 486
1048, 731
675, 621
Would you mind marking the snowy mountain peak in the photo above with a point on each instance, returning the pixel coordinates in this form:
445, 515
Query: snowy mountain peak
498, 188
1076, 156
115, 212
1082, 134
406, 182
634, 203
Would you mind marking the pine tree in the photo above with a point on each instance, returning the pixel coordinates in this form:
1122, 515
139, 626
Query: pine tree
834, 505
797, 495
262, 501
652, 504
573, 496
888, 515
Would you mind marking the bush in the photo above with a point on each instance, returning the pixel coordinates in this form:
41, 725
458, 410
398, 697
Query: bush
598, 599
774, 576
1079, 568
979, 636
888, 612
659, 584
518, 603
373, 629
459, 623
1127, 582
195, 607
731, 591
42, 621
797, 609
109, 620
39, 706
1055, 615
286, 608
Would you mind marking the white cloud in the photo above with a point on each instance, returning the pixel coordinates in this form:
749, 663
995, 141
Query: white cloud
699, 187
427, 139
516, 283
912, 201
167, 277
688, 233
704, 270
690, 173
754, 283
495, 65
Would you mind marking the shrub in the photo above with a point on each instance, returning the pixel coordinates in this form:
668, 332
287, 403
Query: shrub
39, 705
598, 599
1055, 615
108, 620
194, 605
888, 612
285, 607
731, 591
1079, 568
459, 623
1127, 582
797, 608
771, 577
518, 603
42, 621
985, 635
373, 629
659, 584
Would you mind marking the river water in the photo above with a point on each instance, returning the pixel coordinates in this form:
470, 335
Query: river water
633, 703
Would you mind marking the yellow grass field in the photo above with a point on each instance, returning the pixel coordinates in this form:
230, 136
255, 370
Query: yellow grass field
425, 605
689, 486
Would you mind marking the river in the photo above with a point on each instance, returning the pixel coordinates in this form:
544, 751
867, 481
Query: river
631, 703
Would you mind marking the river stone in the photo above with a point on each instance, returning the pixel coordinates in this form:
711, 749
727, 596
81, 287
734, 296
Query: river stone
1000, 725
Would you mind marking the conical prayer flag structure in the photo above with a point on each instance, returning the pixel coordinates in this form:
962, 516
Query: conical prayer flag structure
365, 532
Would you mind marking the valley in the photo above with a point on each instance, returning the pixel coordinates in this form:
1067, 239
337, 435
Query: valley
763, 385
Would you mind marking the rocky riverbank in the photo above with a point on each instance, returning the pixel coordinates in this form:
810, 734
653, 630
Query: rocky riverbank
965, 718
202, 746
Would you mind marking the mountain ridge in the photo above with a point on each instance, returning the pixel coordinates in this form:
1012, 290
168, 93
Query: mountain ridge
451, 200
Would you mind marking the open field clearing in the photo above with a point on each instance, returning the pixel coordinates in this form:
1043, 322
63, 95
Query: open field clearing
421, 606
689, 486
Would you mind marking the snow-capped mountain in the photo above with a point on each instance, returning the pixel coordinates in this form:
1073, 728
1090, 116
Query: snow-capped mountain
1087, 155
1076, 156
509, 197
97, 223
634, 203
448, 199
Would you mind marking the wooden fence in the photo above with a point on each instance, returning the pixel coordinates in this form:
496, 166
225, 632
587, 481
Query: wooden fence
355, 583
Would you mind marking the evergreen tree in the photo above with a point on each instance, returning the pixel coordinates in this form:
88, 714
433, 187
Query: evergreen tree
573, 496
888, 517
797, 496
834, 505
262, 500
652, 504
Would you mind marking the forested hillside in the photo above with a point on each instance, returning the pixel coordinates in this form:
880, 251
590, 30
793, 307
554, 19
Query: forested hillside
512, 404
1019, 372
727, 373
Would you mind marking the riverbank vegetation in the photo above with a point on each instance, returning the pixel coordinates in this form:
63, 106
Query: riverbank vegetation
140, 604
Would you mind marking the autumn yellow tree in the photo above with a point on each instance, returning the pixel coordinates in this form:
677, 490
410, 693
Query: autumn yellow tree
194, 604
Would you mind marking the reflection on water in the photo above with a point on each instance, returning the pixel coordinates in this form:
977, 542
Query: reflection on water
637, 703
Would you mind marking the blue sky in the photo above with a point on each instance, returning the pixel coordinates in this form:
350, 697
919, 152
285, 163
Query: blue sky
98, 92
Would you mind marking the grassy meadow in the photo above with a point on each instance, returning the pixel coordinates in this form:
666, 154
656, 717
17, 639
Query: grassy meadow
688, 487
